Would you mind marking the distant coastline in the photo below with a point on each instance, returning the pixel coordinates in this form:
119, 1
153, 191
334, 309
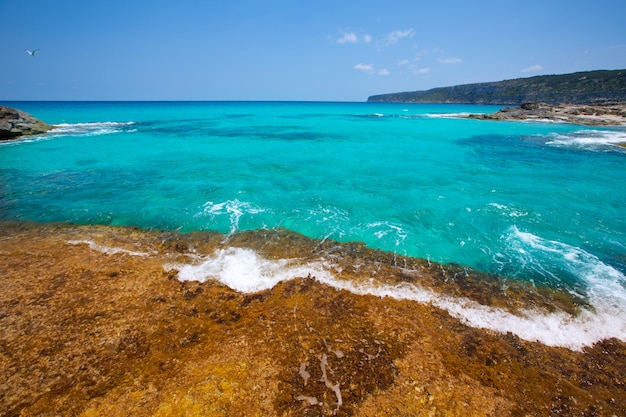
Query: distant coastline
590, 87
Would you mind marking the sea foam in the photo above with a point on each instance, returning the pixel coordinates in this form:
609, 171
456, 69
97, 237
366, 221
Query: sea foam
76, 129
109, 250
589, 139
90, 129
234, 209
244, 270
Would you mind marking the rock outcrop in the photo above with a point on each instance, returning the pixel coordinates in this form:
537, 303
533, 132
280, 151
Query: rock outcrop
591, 115
15, 123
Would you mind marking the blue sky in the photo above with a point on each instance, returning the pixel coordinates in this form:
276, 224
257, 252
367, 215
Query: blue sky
294, 50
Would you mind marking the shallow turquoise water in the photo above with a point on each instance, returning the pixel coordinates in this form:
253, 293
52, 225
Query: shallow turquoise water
534, 201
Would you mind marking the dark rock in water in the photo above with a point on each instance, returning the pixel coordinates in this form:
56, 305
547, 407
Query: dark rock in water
15, 123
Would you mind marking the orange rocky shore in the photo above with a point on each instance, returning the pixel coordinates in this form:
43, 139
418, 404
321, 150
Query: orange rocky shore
90, 331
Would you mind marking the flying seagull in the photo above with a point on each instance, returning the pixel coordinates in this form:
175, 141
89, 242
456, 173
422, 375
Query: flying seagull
33, 52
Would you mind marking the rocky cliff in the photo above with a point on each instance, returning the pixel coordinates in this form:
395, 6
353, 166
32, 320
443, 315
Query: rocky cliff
591, 87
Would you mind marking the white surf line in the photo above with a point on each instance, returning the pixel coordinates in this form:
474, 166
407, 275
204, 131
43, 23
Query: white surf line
245, 271
551, 329
88, 129
588, 138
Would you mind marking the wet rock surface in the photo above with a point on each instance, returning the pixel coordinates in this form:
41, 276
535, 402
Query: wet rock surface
15, 123
90, 331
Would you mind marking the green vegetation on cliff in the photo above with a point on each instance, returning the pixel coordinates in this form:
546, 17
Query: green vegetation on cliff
589, 87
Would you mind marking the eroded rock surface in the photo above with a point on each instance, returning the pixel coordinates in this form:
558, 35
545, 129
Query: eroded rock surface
591, 115
86, 330
15, 123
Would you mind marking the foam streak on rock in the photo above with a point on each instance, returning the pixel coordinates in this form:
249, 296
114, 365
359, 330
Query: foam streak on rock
107, 249
245, 271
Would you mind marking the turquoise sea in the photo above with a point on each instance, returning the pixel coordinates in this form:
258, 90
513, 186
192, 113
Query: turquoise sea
539, 202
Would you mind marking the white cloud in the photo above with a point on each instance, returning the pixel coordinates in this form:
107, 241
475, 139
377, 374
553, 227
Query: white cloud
393, 37
421, 71
369, 68
348, 37
449, 60
352, 37
533, 68
425, 52
403, 62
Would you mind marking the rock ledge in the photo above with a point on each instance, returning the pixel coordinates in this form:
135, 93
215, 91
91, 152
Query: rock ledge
15, 123
591, 115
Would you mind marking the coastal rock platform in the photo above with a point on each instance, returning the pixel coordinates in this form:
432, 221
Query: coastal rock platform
93, 323
15, 123
590, 115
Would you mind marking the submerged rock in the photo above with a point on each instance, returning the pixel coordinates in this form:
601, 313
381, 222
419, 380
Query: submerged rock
15, 123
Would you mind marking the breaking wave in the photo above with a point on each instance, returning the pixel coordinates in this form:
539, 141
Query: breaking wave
590, 139
244, 270
234, 209
91, 129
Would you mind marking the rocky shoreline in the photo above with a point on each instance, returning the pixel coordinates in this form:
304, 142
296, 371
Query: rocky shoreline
92, 323
15, 123
590, 115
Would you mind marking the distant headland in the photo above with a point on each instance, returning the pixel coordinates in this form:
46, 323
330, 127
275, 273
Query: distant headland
590, 87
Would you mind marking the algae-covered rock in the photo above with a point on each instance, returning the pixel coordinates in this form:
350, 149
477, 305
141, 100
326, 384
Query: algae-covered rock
94, 322
15, 123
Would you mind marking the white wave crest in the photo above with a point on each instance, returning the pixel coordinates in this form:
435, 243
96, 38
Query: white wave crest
446, 115
332, 219
245, 271
89, 129
507, 210
233, 208
388, 230
604, 283
589, 139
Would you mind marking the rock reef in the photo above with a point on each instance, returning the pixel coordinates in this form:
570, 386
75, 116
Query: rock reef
92, 324
15, 123
590, 115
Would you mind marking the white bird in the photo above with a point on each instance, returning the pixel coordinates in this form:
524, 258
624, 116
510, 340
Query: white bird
33, 52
